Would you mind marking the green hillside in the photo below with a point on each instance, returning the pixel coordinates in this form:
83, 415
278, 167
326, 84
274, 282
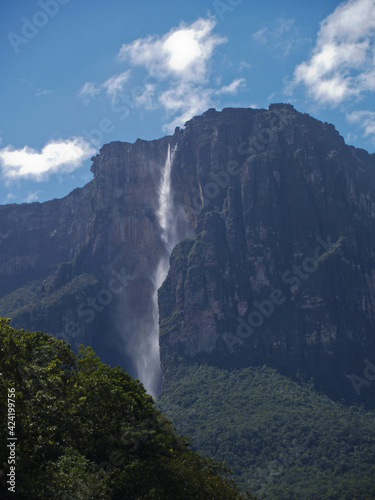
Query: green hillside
42, 305
282, 439
78, 429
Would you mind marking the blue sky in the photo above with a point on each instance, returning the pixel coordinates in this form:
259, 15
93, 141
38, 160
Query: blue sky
80, 73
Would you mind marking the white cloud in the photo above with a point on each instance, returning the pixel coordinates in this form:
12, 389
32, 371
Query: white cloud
32, 197
113, 86
147, 98
182, 53
233, 87
55, 157
261, 36
181, 63
41, 92
343, 61
244, 65
37, 90
89, 91
366, 120
187, 100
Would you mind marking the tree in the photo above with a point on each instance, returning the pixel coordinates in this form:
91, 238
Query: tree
87, 431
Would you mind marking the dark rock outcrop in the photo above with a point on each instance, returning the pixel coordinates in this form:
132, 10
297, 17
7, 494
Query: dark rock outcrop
82, 267
281, 269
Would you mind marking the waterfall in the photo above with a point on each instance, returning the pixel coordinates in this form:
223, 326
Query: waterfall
138, 314
148, 356
165, 213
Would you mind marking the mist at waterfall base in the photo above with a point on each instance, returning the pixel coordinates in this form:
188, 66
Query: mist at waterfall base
141, 319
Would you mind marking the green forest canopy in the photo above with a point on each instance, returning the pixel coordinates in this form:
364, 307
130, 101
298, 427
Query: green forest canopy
88, 431
282, 439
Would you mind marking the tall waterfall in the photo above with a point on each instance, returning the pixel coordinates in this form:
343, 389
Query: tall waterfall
166, 214
148, 358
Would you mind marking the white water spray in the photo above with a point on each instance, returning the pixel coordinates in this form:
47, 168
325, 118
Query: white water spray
148, 354
166, 213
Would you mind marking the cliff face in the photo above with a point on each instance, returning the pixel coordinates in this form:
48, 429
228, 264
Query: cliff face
280, 268
83, 267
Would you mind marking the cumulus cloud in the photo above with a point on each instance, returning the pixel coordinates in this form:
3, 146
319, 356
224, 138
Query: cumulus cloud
185, 100
55, 157
180, 63
113, 86
188, 100
178, 67
182, 53
342, 65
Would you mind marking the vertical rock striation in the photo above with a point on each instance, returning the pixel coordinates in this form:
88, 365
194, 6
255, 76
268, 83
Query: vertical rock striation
83, 267
279, 267
282, 267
